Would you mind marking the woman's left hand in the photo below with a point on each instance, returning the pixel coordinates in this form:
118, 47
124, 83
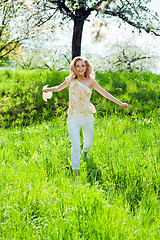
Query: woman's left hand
125, 105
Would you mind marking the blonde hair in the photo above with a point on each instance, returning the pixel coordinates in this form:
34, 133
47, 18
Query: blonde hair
73, 72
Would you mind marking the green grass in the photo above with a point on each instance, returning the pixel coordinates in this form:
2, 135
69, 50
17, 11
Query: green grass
116, 195
21, 102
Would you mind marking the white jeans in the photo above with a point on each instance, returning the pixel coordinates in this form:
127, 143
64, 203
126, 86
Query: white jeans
74, 124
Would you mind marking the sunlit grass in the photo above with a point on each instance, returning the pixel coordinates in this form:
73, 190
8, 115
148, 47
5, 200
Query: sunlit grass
116, 195
21, 102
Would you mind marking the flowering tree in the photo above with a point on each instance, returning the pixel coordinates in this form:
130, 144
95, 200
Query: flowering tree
130, 57
27, 3
15, 25
133, 12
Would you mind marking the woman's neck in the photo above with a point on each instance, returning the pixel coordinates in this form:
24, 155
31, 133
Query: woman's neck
81, 78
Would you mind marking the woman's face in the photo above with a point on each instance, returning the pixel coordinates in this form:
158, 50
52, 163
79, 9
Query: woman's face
81, 67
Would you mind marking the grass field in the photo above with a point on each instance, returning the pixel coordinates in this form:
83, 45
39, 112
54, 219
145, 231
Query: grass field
116, 195
21, 102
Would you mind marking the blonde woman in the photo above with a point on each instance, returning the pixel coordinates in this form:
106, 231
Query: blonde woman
80, 113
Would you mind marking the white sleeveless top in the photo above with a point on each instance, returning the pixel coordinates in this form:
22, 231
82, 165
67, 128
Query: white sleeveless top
79, 98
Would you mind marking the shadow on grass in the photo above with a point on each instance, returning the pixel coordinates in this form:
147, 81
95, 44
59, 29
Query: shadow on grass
93, 173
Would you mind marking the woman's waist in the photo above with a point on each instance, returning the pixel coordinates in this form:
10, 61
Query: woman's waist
81, 109
81, 117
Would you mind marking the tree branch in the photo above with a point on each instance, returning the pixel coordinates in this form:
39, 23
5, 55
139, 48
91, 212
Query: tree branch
3, 21
134, 24
63, 8
10, 50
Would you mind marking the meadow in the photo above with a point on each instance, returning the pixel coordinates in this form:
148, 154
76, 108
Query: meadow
115, 196
21, 102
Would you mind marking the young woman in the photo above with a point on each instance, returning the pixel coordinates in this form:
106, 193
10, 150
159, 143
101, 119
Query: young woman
80, 113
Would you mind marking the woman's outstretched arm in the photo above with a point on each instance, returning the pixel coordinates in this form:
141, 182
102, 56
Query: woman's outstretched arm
56, 88
107, 95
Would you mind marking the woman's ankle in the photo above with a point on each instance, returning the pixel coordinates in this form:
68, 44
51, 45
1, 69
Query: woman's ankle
86, 155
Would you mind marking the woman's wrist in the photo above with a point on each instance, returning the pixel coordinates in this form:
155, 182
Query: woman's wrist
120, 103
49, 89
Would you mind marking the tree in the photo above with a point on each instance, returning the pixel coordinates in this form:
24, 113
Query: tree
131, 52
6, 44
133, 12
130, 58
15, 25
45, 51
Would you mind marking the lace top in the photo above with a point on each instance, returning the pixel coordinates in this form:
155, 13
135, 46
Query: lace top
79, 98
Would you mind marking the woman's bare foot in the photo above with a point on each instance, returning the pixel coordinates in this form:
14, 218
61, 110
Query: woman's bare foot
86, 155
76, 172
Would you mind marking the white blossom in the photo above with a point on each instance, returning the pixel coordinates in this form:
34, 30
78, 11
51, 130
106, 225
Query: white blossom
27, 3
97, 29
114, 4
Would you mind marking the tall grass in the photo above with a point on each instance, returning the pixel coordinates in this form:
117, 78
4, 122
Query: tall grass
21, 102
116, 195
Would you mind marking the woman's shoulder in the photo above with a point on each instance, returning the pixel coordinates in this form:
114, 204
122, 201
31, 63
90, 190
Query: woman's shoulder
91, 79
68, 79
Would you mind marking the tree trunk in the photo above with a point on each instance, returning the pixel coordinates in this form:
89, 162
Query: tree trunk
77, 37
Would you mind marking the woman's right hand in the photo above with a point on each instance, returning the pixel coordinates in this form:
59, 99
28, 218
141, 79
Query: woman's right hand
125, 105
45, 89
